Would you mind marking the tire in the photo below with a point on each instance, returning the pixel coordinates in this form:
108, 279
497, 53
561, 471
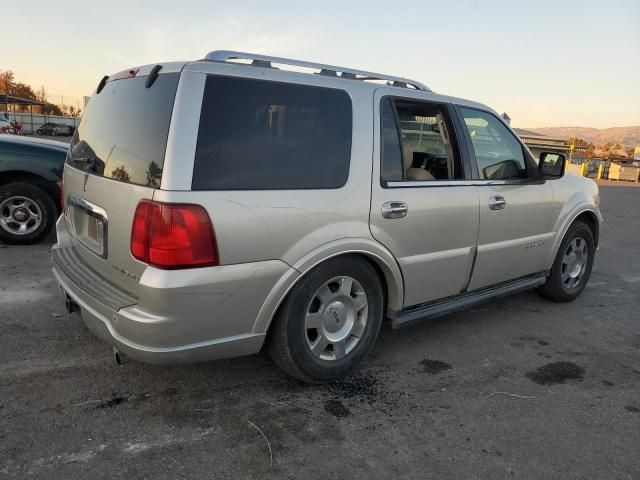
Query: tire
31, 207
291, 342
561, 285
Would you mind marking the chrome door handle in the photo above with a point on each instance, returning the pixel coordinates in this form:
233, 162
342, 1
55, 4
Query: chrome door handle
394, 209
497, 202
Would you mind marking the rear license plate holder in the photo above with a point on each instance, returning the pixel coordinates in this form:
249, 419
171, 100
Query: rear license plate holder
90, 224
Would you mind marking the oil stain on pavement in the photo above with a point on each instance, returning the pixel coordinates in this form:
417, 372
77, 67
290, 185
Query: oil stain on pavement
557, 372
433, 367
336, 408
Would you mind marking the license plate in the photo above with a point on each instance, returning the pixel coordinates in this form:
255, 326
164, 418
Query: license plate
89, 223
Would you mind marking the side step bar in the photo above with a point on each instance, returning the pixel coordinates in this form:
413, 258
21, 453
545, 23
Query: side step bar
400, 318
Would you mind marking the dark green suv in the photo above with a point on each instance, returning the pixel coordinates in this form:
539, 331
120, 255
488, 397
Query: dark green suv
30, 182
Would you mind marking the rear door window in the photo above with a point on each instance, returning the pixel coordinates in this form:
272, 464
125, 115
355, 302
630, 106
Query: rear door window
417, 142
123, 131
263, 135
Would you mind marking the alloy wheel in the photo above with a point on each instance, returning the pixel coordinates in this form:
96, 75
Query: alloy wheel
20, 215
336, 318
574, 262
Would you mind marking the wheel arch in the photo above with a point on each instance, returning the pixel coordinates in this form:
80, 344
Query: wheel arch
590, 218
376, 255
587, 215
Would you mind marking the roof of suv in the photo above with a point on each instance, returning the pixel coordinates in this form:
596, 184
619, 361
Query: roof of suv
286, 65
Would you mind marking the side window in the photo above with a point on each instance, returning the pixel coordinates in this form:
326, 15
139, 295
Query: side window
263, 135
417, 142
392, 170
498, 152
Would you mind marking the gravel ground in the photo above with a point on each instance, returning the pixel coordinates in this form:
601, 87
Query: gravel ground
517, 388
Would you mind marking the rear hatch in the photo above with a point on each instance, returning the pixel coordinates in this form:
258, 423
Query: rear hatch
115, 160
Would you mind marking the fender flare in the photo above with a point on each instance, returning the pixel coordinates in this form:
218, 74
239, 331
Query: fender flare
562, 231
370, 249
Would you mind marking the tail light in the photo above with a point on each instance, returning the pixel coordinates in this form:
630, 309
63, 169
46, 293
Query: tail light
172, 236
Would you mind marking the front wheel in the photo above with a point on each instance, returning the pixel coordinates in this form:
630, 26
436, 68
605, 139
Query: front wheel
329, 322
572, 266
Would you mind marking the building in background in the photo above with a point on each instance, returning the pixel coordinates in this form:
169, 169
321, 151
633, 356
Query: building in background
539, 143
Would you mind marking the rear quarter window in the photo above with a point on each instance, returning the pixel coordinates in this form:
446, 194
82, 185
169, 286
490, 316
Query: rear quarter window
263, 135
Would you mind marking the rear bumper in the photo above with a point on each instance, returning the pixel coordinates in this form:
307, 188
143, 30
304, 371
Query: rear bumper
194, 315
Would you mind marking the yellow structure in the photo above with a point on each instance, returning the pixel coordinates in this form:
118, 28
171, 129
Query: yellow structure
583, 169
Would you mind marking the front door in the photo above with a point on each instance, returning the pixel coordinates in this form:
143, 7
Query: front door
516, 207
422, 209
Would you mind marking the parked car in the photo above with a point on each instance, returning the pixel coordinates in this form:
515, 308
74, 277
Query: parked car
264, 205
54, 129
5, 123
30, 175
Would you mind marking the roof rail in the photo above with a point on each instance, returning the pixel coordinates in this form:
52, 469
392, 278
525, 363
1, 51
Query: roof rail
328, 70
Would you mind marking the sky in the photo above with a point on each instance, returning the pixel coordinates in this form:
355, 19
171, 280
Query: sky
545, 63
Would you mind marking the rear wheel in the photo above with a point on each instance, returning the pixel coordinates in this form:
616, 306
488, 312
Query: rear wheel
572, 266
27, 213
329, 322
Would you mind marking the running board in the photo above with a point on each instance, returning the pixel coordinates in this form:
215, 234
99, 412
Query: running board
400, 318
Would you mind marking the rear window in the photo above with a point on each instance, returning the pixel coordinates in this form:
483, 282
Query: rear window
262, 135
123, 131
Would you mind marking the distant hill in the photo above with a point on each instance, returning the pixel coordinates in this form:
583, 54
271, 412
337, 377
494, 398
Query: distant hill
626, 136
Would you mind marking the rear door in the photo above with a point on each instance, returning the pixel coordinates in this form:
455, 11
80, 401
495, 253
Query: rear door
422, 208
516, 206
116, 159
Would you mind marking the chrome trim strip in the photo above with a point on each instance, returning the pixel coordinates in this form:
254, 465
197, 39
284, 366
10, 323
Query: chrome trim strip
95, 211
449, 183
88, 206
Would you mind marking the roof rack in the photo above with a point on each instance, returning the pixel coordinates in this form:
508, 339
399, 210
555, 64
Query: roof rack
328, 70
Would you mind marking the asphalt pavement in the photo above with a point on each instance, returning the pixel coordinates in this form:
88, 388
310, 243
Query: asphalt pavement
517, 388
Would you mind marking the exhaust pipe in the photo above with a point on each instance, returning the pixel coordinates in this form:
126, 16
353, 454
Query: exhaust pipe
69, 304
117, 357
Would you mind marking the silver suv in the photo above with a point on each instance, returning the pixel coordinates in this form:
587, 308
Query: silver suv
218, 205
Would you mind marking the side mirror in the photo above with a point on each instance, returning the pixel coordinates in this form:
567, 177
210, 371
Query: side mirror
551, 165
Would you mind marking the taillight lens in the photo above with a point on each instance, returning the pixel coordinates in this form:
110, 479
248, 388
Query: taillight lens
172, 236
140, 232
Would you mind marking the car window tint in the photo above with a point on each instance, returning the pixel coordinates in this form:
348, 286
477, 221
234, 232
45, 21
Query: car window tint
498, 152
391, 153
263, 135
123, 131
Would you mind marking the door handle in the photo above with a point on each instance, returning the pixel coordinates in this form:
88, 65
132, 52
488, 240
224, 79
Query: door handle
394, 209
497, 202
